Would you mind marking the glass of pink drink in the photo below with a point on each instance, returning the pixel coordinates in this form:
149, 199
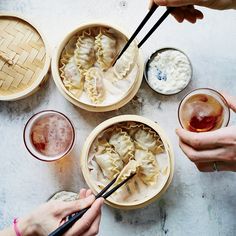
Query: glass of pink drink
49, 135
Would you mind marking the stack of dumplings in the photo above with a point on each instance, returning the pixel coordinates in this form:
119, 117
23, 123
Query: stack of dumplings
86, 66
124, 149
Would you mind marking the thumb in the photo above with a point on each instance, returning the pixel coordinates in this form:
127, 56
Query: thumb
68, 208
179, 131
151, 2
231, 100
174, 3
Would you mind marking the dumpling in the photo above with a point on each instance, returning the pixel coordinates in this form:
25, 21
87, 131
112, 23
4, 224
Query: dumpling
128, 170
109, 162
148, 139
123, 144
94, 86
105, 45
125, 63
148, 170
85, 53
131, 186
73, 78
73, 74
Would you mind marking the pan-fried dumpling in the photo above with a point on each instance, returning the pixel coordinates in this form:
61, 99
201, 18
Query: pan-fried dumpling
109, 162
123, 144
85, 53
148, 139
125, 63
94, 85
148, 170
105, 45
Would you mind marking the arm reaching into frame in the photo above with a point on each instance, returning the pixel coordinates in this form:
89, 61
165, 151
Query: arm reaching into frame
185, 9
52, 214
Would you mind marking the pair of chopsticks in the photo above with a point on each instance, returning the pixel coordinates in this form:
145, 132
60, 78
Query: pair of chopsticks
72, 219
144, 21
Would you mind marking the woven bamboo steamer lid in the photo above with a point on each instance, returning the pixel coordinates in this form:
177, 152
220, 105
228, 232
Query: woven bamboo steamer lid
113, 121
24, 57
93, 108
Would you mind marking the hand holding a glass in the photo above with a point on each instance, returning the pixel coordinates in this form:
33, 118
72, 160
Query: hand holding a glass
210, 149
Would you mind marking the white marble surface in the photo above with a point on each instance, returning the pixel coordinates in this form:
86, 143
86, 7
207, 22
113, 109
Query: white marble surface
196, 203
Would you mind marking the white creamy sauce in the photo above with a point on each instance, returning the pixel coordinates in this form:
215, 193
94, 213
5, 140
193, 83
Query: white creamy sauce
169, 72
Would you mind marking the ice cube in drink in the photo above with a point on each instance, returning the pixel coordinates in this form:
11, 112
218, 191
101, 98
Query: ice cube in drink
203, 111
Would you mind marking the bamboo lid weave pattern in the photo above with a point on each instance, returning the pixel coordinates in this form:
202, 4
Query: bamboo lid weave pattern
22, 58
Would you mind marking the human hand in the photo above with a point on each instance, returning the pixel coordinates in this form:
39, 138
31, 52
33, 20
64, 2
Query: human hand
52, 214
205, 149
185, 9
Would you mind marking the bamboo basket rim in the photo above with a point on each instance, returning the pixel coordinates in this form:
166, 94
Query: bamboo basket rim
96, 107
43, 75
118, 119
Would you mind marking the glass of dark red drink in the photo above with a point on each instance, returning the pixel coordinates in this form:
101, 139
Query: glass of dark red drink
49, 135
203, 110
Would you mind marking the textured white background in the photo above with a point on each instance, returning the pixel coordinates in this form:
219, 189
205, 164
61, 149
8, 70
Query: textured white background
196, 203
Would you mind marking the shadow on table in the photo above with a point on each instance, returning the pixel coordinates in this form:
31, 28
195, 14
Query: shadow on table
67, 173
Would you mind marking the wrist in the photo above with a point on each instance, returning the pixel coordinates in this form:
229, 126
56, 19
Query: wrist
233, 4
27, 227
230, 4
219, 4
227, 5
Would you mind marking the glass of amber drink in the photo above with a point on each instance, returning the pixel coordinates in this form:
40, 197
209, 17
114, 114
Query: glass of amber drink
49, 135
203, 110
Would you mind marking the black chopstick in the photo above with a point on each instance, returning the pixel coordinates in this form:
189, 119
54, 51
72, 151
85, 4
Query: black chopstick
106, 188
163, 17
158, 23
68, 224
108, 194
144, 21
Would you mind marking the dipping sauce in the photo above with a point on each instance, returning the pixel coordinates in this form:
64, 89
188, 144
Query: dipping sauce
202, 112
49, 135
168, 71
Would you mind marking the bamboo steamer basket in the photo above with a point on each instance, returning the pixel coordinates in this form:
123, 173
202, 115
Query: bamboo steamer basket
24, 58
113, 121
93, 108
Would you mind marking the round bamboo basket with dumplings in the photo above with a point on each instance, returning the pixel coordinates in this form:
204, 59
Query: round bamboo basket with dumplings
169, 155
74, 100
24, 58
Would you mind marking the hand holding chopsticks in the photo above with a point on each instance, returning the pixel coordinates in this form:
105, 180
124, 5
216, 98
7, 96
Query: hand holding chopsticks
104, 194
144, 21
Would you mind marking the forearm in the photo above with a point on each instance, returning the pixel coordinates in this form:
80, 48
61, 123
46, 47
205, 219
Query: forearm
224, 4
25, 227
7, 232
233, 4
213, 4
